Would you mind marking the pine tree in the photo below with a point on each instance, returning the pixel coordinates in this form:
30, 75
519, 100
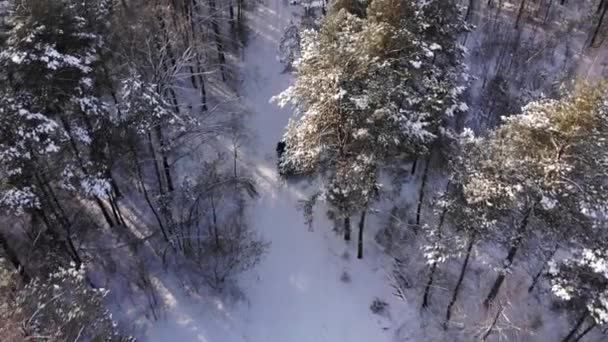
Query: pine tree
582, 281
49, 65
540, 170
368, 94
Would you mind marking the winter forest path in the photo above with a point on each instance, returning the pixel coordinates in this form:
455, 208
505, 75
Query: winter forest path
296, 294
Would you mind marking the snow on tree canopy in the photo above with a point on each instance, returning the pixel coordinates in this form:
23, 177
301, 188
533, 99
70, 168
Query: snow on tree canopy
354, 79
583, 279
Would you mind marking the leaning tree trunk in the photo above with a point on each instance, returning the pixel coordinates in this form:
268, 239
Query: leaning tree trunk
585, 332
577, 326
463, 270
549, 6
509, 260
491, 328
542, 270
503, 273
361, 226
599, 25
520, 13
114, 209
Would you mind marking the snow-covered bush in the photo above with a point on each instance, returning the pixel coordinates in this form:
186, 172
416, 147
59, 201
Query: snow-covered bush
345, 277
212, 236
61, 307
378, 306
223, 257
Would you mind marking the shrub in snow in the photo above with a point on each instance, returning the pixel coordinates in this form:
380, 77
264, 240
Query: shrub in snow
379, 307
345, 277
62, 307
212, 235
235, 250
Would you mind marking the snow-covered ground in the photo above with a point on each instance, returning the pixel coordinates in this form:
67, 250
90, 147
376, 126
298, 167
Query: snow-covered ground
297, 293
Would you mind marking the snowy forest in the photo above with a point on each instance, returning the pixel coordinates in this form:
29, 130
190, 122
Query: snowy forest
304, 170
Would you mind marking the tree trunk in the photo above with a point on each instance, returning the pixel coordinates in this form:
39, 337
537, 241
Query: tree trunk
467, 17
578, 324
114, 184
361, 226
165, 159
542, 270
201, 72
159, 178
147, 197
234, 166
585, 332
82, 167
509, 260
429, 283
218, 38
121, 218
501, 277
489, 332
599, 25
425, 177
347, 229
76, 256
199, 68
231, 13
216, 232
463, 270
548, 10
61, 216
115, 209
104, 211
520, 13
